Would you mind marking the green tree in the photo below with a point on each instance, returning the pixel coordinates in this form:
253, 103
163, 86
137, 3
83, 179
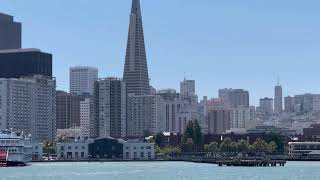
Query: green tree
271, 147
197, 134
159, 139
226, 146
49, 148
212, 148
188, 133
260, 146
243, 146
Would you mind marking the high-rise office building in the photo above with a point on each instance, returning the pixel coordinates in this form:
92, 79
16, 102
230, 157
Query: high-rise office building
236, 97
10, 32
278, 100
68, 110
24, 62
28, 105
82, 80
266, 105
188, 87
110, 102
136, 68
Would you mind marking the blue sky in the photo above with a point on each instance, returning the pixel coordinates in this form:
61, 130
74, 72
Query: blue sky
230, 43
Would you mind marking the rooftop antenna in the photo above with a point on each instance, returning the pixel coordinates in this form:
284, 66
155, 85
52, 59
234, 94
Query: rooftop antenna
278, 80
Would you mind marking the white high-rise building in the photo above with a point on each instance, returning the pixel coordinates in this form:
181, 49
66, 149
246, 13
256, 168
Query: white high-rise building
82, 79
86, 116
240, 118
28, 105
278, 99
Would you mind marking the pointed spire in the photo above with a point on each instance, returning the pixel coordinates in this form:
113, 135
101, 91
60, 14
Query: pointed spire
136, 7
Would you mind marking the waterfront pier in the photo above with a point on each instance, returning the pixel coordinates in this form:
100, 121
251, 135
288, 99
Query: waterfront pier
251, 163
235, 162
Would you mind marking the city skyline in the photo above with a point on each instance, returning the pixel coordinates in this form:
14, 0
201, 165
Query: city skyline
107, 53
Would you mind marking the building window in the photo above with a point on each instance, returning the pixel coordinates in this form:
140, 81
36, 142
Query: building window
82, 154
135, 155
69, 147
142, 147
62, 148
149, 154
142, 154
148, 147
127, 154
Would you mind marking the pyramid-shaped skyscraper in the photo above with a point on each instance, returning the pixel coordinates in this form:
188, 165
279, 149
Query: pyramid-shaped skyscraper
136, 68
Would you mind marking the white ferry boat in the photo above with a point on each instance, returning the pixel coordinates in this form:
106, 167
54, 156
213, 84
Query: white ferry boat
15, 150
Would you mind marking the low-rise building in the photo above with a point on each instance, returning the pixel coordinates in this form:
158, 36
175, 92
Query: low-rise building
37, 151
135, 150
76, 150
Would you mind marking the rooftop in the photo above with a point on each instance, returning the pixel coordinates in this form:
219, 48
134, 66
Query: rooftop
20, 50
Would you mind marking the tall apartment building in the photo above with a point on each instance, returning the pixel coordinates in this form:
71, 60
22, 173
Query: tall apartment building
218, 117
145, 115
28, 105
236, 97
82, 80
67, 110
17, 63
240, 117
289, 104
278, 99
86, 116
266, 105
218, 121
110, 103
305, 102
10, 32
136, 68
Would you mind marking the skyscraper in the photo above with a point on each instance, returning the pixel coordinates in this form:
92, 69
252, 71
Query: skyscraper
10, 33
29, 104
67, 110
17, 63
266, 105
278, 99
136, 68
82, 80
236, 97
188, 87
110, 102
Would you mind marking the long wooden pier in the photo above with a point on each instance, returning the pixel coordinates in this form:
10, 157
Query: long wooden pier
234, 162
251, 163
